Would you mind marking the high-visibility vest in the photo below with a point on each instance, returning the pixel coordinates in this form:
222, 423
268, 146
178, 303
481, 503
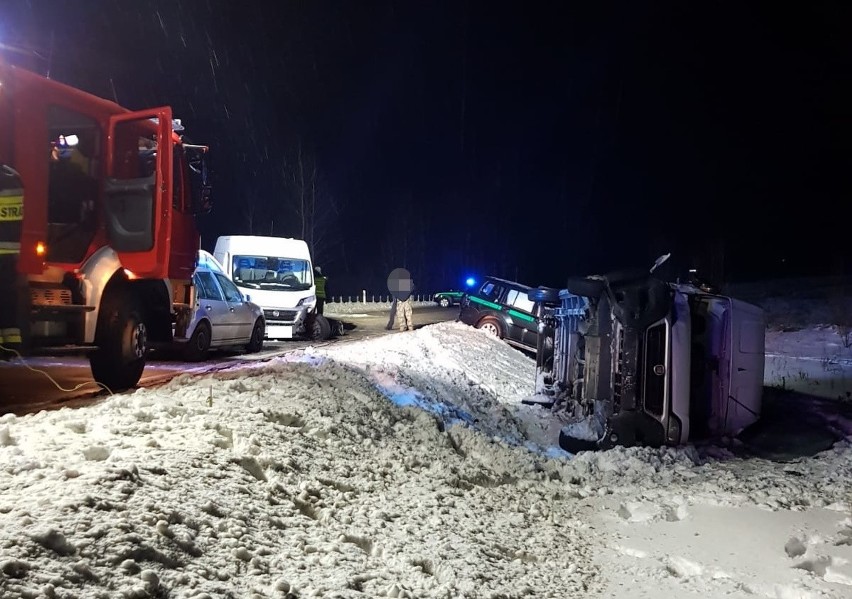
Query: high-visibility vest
319, 280
11, 211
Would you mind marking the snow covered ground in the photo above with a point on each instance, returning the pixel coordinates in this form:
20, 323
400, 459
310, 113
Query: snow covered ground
402, 466
355, 308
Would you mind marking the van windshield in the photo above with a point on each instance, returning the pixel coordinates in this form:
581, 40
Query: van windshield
272, 272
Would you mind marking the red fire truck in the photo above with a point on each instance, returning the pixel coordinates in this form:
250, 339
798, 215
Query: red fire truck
109, 240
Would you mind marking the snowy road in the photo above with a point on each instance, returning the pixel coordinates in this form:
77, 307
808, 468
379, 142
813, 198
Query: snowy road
23, 390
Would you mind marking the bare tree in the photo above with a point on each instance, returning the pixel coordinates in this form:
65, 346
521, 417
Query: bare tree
315, 210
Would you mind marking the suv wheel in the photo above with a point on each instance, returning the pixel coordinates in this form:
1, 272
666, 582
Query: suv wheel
491, 325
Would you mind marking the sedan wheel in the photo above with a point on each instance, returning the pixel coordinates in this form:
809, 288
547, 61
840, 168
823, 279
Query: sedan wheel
198, 345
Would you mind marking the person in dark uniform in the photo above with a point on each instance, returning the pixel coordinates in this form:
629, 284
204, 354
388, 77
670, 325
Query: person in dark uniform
11, 220
321, 282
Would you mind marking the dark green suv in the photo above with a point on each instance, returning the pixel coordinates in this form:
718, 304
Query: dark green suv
445, 299
504, 309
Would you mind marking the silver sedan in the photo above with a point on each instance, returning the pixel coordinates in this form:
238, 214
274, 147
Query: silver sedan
221, 317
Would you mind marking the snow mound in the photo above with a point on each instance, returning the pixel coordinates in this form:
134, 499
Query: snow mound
402, 466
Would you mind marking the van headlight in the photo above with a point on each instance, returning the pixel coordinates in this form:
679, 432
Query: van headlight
311, 299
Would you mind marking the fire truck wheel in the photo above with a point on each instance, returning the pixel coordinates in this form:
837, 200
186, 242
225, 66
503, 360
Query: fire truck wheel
255, 344
198, 346
120, 358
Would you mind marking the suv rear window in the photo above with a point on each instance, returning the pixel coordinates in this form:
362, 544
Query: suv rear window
518, 299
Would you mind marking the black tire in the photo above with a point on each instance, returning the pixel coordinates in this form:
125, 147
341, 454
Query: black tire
491, 325
198, 346
574, 445
630, 275
444, 302
122, 345
320, 329
255, 344
585, 287
547, 295
639, 306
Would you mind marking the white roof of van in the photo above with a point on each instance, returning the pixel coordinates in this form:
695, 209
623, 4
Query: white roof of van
260, 245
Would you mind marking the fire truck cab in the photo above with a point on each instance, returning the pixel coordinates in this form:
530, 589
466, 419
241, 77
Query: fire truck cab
109, 240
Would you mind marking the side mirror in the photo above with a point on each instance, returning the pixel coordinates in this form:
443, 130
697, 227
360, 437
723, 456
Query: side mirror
202, 202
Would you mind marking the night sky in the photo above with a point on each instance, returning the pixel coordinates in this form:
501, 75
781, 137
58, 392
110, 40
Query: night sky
524, 140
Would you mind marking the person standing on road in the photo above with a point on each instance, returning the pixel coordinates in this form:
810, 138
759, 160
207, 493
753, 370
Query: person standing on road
404, 314
11, 221
401, 287
321, 282
392, 317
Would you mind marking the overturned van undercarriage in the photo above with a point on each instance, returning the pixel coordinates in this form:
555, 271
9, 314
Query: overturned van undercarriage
637, 360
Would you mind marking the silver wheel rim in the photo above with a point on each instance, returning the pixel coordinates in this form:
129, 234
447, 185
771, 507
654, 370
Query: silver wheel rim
139, 341
490, 328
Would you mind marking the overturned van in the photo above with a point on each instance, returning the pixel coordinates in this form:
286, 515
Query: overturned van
637, 360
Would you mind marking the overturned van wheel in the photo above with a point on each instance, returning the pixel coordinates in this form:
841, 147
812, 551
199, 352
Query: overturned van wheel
575, 445
547, 295
585, 287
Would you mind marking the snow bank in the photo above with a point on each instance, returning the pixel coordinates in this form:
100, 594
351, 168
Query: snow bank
403, 466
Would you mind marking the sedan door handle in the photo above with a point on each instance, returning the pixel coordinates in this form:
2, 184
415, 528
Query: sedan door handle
231, 309
208, 308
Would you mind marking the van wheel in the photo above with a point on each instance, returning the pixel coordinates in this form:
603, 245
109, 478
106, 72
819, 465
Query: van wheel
198, 346
492, 326
255, 344
122, 345
320, 329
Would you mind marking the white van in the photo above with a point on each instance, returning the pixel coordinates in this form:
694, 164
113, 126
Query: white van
278, 275
638, 360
